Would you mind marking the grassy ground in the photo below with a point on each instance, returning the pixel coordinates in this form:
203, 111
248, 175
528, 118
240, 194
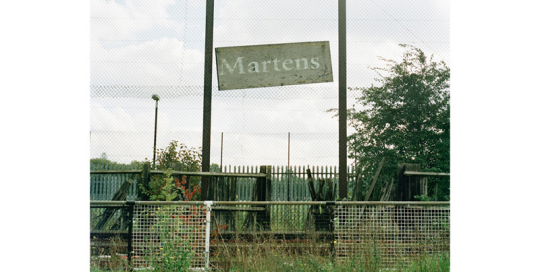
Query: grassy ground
437, 263
266, 256
434, 263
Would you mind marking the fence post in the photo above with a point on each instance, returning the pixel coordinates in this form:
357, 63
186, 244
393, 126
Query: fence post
331, 206
130, 230
408, 187
208, 205
145, 176
268, 183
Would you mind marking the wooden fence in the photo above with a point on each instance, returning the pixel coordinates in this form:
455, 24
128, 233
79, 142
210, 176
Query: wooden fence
287, 185
104, 186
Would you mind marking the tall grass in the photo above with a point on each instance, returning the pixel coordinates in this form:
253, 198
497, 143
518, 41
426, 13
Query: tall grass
312, 252
110, 258
283, 262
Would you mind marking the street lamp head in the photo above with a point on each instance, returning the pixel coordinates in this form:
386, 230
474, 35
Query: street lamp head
155, 97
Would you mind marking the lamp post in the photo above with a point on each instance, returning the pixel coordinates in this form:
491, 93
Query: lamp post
155, 97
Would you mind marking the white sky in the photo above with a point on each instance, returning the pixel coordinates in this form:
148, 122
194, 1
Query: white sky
142, 44
45, 116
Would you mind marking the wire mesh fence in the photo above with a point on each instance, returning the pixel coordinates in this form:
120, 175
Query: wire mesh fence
169, 235
384, 234
389, 233
141, 48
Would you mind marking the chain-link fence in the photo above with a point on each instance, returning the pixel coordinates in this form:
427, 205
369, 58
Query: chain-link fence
141, 48
172, 234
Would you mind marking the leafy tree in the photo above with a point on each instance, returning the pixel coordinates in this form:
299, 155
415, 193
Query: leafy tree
100, 161
161, 188
406, 119
187, 159
103, 160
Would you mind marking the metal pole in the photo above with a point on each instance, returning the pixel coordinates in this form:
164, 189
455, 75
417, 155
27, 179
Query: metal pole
221, 161
207, 104
342, 99
130, 230
208, 205
288, 168
155, 97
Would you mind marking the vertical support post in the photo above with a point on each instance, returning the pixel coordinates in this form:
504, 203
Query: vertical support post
263, 192
342, 111
402, 183
221, 160
268, 183
408, 186
208, 205
207, 104
145, 177
288, 167
130, 229
155, 131
355, 152
330, 205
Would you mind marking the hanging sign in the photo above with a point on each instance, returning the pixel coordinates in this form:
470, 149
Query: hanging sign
257, 66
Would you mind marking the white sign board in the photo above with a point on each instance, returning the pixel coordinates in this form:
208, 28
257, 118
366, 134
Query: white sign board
258, 66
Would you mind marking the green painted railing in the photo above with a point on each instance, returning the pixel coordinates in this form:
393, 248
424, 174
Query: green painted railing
287, 184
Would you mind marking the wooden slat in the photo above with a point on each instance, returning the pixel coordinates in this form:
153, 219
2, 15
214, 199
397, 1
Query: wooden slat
92, 184
199, 174
234, 208
120, 195
425, 174
375, 177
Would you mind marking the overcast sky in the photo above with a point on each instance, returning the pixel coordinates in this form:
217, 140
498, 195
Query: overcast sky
44, 112
143, 47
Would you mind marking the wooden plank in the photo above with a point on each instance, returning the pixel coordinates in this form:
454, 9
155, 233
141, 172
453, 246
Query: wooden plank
423, 186
403, 182
197, 174
389, 193
357, 190
234, 208
109, 188
408, 186
322, 181
374, 180
268, 182
92, 184
304, 188
110, 171
414, 181
145, 177
120, 195
387, 190
384, 188
311, 186
425, 174
99, 184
